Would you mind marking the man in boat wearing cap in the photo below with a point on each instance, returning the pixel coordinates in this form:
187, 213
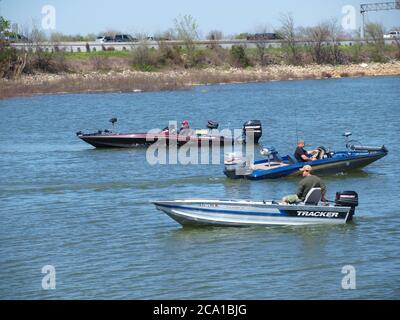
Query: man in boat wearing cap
302, 155
308, 182
185, 128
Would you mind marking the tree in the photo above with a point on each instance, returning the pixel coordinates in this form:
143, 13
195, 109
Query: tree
261, 42
241, 36
57, 37
215, 35
37, 37
318, 36
187, 30
166, 35
289, 36
335, 33
239, 57
374, 33
4, 28
12, 63
397, 42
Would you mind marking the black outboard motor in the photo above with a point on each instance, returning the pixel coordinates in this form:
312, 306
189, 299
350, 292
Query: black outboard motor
252, 127
212, 124
347, 199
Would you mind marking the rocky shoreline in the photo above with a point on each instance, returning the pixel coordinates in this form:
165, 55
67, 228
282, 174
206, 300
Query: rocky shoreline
136, 81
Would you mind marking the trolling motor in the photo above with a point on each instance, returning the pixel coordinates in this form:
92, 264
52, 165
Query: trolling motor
354, 145
99, 132
113, 121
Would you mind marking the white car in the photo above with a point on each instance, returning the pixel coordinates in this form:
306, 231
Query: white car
392, 35
103, 39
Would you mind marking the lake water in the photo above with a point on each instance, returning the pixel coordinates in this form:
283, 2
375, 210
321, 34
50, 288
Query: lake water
87, 213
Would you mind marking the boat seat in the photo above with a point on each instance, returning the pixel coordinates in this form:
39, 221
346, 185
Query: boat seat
313, 197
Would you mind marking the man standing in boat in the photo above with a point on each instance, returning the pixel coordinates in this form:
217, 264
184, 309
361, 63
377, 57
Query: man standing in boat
302, 155
308, 182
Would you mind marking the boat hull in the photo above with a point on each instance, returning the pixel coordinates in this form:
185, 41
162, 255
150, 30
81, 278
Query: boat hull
142, 140
244, 213
334, 165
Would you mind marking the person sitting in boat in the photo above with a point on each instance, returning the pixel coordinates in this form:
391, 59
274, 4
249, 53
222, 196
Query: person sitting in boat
308, 182
303, 155
185, 128
172, 129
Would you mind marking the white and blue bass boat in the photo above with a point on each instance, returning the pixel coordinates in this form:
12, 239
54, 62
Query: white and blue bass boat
274, 166
245, 213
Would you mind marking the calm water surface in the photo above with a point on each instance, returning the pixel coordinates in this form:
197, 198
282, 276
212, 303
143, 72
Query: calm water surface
87, 211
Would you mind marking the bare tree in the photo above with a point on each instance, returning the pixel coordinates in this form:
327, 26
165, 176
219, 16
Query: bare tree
335, 33
56, 37
187, 30
109, 33
166, 35
318, 36
215, 35
289, 36
37, 37
396, 40
141, 36
375, 32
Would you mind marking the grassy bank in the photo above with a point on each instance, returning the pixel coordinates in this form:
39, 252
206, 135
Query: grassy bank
172, 67
137, 81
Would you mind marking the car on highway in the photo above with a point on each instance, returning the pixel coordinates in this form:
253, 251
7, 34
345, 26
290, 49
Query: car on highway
104, 39
392, 35
124, 38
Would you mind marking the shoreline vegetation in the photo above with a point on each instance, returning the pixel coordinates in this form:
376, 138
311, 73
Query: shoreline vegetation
141, 81
304, 53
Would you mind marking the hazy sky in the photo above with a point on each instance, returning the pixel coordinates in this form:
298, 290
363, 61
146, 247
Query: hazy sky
151, 16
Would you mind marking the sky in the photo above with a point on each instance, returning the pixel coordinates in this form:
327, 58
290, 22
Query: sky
151, 17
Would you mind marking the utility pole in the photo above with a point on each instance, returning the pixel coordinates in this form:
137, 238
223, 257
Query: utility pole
380, 6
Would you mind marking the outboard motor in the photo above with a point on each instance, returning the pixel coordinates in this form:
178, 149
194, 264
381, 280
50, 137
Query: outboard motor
347, 199
236, 165
212, 124
252, 128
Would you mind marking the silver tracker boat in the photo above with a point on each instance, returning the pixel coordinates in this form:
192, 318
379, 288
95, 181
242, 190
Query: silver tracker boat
243, 213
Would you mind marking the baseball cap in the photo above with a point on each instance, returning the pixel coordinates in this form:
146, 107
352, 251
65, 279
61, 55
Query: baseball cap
306, 168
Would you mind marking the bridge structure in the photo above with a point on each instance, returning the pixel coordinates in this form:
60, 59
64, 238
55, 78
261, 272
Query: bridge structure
377, 6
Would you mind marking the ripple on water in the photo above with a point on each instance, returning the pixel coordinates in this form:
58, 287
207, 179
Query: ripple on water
87, 211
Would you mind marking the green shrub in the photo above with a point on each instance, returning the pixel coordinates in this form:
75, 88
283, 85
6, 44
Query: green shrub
170, 55
239, 57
